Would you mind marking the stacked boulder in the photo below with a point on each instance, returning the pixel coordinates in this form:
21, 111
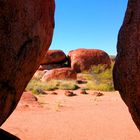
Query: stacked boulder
53, 59
55, 64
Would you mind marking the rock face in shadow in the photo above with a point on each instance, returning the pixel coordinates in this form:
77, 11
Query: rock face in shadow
26, 29
127, 66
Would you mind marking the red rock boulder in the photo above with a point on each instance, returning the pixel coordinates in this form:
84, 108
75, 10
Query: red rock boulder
51, 66
84, 59
39, 74
26, 29
127, 66
59, 74
28, 97
54, 56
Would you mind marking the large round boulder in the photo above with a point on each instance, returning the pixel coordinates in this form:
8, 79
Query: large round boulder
84, 59
127, 66
26, 29
59, 74
53, 57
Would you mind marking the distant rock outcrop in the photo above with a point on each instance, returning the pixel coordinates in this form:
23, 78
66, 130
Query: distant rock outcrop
59, 74
26, 29
127, 66
54, 57
83, 59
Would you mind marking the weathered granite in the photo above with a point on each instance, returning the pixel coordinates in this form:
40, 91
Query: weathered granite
26, 29
127, 66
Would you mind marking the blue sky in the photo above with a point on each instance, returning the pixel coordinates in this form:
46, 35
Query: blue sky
88, 24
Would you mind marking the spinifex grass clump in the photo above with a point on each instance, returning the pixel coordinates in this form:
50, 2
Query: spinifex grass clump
100, 78
36, 85
67, 85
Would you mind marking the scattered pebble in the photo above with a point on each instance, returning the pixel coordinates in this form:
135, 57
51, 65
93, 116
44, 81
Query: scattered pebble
26, 106
81, 82
53, 93
40, 91
69, 93
83, 91
98, 94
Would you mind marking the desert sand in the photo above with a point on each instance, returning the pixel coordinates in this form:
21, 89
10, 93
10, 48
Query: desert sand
80, 117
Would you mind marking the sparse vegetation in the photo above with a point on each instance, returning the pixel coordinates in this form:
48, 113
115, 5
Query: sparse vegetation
102, 79
86, 76
92, 85
96, 79
67, 85
36, 85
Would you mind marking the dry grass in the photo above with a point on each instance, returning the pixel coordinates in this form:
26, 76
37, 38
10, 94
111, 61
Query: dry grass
36, 85
97, 79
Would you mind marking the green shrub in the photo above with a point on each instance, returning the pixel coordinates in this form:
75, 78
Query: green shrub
92, 85
86, 76
97, 69
36, 86
67, 85
102, 79
97, 78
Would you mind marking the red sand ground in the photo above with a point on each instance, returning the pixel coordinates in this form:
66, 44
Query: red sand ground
81, 117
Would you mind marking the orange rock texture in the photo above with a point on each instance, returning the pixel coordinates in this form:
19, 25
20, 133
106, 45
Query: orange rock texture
127, 66
83, 59
26, 29
53, 57
59, 74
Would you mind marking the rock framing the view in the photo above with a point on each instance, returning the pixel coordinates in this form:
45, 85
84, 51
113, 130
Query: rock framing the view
127, 66
26, 29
